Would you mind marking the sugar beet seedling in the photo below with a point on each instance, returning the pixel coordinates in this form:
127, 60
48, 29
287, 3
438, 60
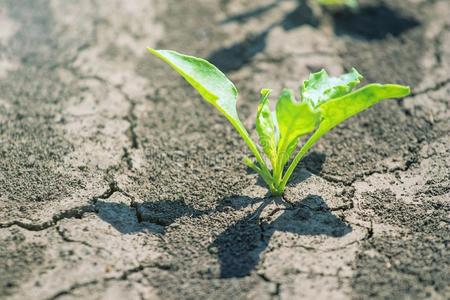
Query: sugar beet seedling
325, 102
337, 3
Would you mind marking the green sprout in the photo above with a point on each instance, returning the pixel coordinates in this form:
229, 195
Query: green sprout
337, 3
326, 102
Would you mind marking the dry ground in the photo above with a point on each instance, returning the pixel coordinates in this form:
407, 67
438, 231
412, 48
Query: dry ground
118, 182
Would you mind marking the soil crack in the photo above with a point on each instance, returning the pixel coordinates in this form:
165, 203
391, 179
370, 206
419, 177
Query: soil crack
277, 291
76, 212
122, 277
433, 88
62, 233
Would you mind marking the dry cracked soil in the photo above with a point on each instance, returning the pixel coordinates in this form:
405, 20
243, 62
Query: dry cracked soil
118, 182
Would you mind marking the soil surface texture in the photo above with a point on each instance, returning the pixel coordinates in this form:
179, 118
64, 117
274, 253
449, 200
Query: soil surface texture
118, 182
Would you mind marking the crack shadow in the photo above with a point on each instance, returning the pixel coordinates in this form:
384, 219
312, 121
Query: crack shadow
240, 246
124, 218
154, 216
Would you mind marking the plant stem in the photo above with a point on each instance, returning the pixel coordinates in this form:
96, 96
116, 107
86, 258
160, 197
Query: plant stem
311, 141
267, 180
251, 145
279, 166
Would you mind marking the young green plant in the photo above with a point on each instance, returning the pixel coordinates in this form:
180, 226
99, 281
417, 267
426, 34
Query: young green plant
325, 102
337, 3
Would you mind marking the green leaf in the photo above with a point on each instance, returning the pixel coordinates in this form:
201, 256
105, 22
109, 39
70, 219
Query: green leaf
266, 128
206, 78
349, 3
214, 87
319, 88
294, 120
339, 109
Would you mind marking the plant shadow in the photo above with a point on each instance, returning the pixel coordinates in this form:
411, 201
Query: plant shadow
239, 247
253, 13
312, 163
366, 23
234, 57
372, 23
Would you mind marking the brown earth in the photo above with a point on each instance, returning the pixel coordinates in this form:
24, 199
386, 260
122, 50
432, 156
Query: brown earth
118, 182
